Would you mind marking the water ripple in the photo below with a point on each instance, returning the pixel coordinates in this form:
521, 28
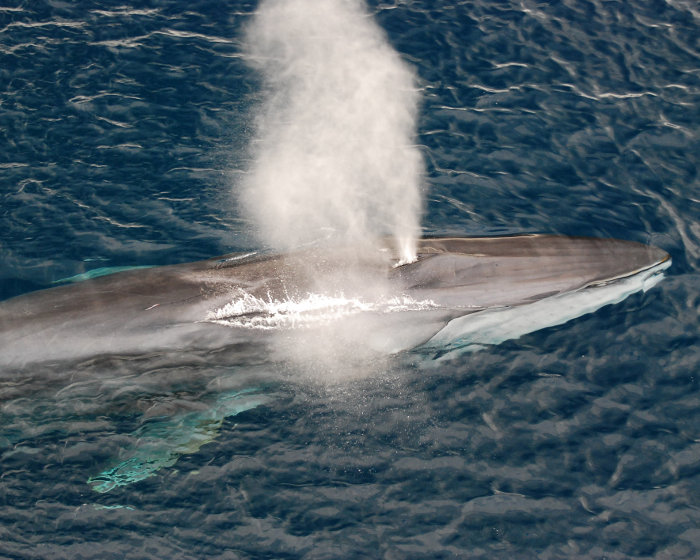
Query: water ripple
119, 126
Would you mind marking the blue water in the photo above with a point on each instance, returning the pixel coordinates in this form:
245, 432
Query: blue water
123, 129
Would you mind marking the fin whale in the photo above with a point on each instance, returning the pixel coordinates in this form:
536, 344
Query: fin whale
190, 345
243, 299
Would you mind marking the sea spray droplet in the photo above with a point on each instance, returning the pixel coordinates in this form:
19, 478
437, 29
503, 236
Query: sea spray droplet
334, 151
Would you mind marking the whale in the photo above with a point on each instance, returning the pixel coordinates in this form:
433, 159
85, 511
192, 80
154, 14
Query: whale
243, 299
189, 345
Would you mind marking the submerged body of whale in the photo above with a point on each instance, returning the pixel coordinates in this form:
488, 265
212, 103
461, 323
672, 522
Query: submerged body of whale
247, 298
190, 345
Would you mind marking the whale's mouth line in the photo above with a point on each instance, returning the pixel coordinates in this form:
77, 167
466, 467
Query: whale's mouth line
655, 269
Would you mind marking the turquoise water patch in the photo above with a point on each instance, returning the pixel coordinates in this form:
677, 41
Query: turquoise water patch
96, 273
162, 441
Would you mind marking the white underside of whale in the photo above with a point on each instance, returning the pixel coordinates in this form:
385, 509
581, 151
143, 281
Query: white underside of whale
496, 325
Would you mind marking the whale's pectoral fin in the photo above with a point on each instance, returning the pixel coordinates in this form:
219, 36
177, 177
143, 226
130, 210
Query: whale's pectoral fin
160, 442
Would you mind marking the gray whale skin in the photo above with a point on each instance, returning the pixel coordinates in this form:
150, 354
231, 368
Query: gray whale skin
460, 293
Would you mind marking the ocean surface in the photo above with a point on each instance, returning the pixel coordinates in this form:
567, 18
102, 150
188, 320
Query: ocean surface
124, 131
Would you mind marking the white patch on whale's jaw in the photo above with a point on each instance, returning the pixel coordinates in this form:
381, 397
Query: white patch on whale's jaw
496, 325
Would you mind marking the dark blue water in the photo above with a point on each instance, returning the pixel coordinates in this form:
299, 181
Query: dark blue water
123, 129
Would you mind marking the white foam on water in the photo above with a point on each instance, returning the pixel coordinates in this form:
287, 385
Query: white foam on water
313, 310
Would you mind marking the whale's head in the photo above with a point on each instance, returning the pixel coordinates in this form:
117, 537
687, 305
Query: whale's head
483, 272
